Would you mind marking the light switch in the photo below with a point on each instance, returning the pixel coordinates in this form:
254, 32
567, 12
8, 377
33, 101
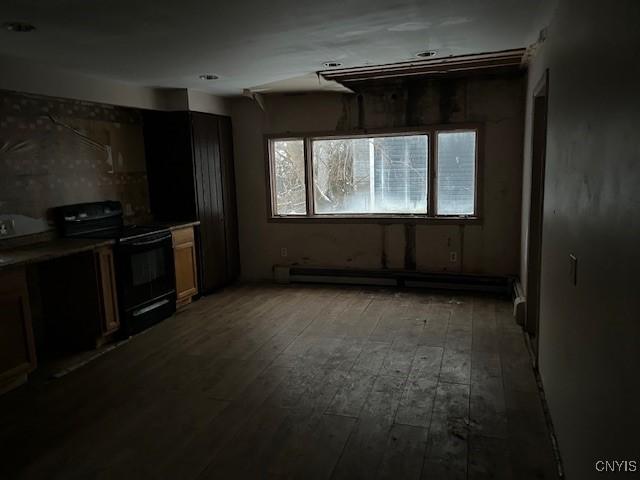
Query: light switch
573, 269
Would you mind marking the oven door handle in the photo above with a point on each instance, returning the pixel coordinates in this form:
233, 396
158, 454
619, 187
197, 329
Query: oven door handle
150, 242
151, 307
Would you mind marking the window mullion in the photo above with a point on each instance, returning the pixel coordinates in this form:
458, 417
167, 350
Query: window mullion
432, 169
308, 163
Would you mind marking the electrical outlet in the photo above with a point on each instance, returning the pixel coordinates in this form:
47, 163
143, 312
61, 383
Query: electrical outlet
283, 252
453, 257
7, 227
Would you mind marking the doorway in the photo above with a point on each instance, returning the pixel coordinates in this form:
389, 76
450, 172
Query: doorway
534, 246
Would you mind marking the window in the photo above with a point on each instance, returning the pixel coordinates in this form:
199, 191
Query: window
374, 175
382, 176
456, 173
290, 189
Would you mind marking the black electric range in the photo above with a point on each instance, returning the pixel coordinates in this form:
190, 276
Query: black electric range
145, 276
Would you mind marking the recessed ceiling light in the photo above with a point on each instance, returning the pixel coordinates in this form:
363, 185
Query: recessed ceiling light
426, 54
20, 27
208, 76
331, 64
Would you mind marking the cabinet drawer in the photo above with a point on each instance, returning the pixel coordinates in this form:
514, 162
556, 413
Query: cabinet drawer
183, 235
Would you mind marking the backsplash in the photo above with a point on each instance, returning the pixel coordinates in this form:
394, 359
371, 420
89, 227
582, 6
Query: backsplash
58, 151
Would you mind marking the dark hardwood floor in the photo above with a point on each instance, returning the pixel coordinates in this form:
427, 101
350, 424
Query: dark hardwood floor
305, 382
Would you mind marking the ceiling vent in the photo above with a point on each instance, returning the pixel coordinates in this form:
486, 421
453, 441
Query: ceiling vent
426, 54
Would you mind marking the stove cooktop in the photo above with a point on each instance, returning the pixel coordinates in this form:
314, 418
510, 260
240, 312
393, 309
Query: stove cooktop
102, 220
126, 232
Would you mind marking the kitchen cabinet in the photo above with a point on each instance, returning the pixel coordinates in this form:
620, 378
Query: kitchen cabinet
17, 351
191, 177
79, 299
107, 292
184, 255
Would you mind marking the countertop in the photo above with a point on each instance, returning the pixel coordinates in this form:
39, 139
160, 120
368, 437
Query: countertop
40, 252
61, 247
178, 225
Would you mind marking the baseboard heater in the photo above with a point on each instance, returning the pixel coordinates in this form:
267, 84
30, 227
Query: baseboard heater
394, 278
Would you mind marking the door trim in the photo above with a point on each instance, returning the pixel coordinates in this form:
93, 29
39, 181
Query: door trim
539, 126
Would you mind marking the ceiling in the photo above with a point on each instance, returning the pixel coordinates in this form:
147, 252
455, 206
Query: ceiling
260, 45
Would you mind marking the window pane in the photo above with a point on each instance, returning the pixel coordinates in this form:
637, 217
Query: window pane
370, 175
288, 165
456, 173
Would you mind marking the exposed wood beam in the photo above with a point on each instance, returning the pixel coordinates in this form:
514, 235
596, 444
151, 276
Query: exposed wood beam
454, 64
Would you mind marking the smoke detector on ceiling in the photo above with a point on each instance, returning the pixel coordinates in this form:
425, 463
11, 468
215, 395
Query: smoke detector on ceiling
331, 64
208, 76
426, 54
19, 27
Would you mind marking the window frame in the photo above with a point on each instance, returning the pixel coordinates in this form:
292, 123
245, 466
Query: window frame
271, 190
434, 177
412, 218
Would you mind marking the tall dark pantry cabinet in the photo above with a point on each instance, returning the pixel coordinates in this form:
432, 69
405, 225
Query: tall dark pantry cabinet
191, 177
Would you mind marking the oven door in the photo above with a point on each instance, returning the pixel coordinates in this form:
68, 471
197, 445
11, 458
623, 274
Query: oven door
146, 273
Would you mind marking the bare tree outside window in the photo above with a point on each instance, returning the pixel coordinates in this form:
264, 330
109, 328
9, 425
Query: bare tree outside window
289, 177
388, 175
370, 175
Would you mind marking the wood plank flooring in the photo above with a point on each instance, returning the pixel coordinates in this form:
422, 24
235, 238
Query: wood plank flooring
295, 382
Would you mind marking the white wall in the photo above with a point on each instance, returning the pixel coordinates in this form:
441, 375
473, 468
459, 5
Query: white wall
207, 103
590, 333
490, 248
25, 76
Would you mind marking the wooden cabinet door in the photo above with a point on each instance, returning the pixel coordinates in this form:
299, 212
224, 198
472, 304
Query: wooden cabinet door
17, 351
210, 201
108, 297
170, 173
229, 195
184, 254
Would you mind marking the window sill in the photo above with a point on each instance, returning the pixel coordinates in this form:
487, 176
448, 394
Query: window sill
377, 219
